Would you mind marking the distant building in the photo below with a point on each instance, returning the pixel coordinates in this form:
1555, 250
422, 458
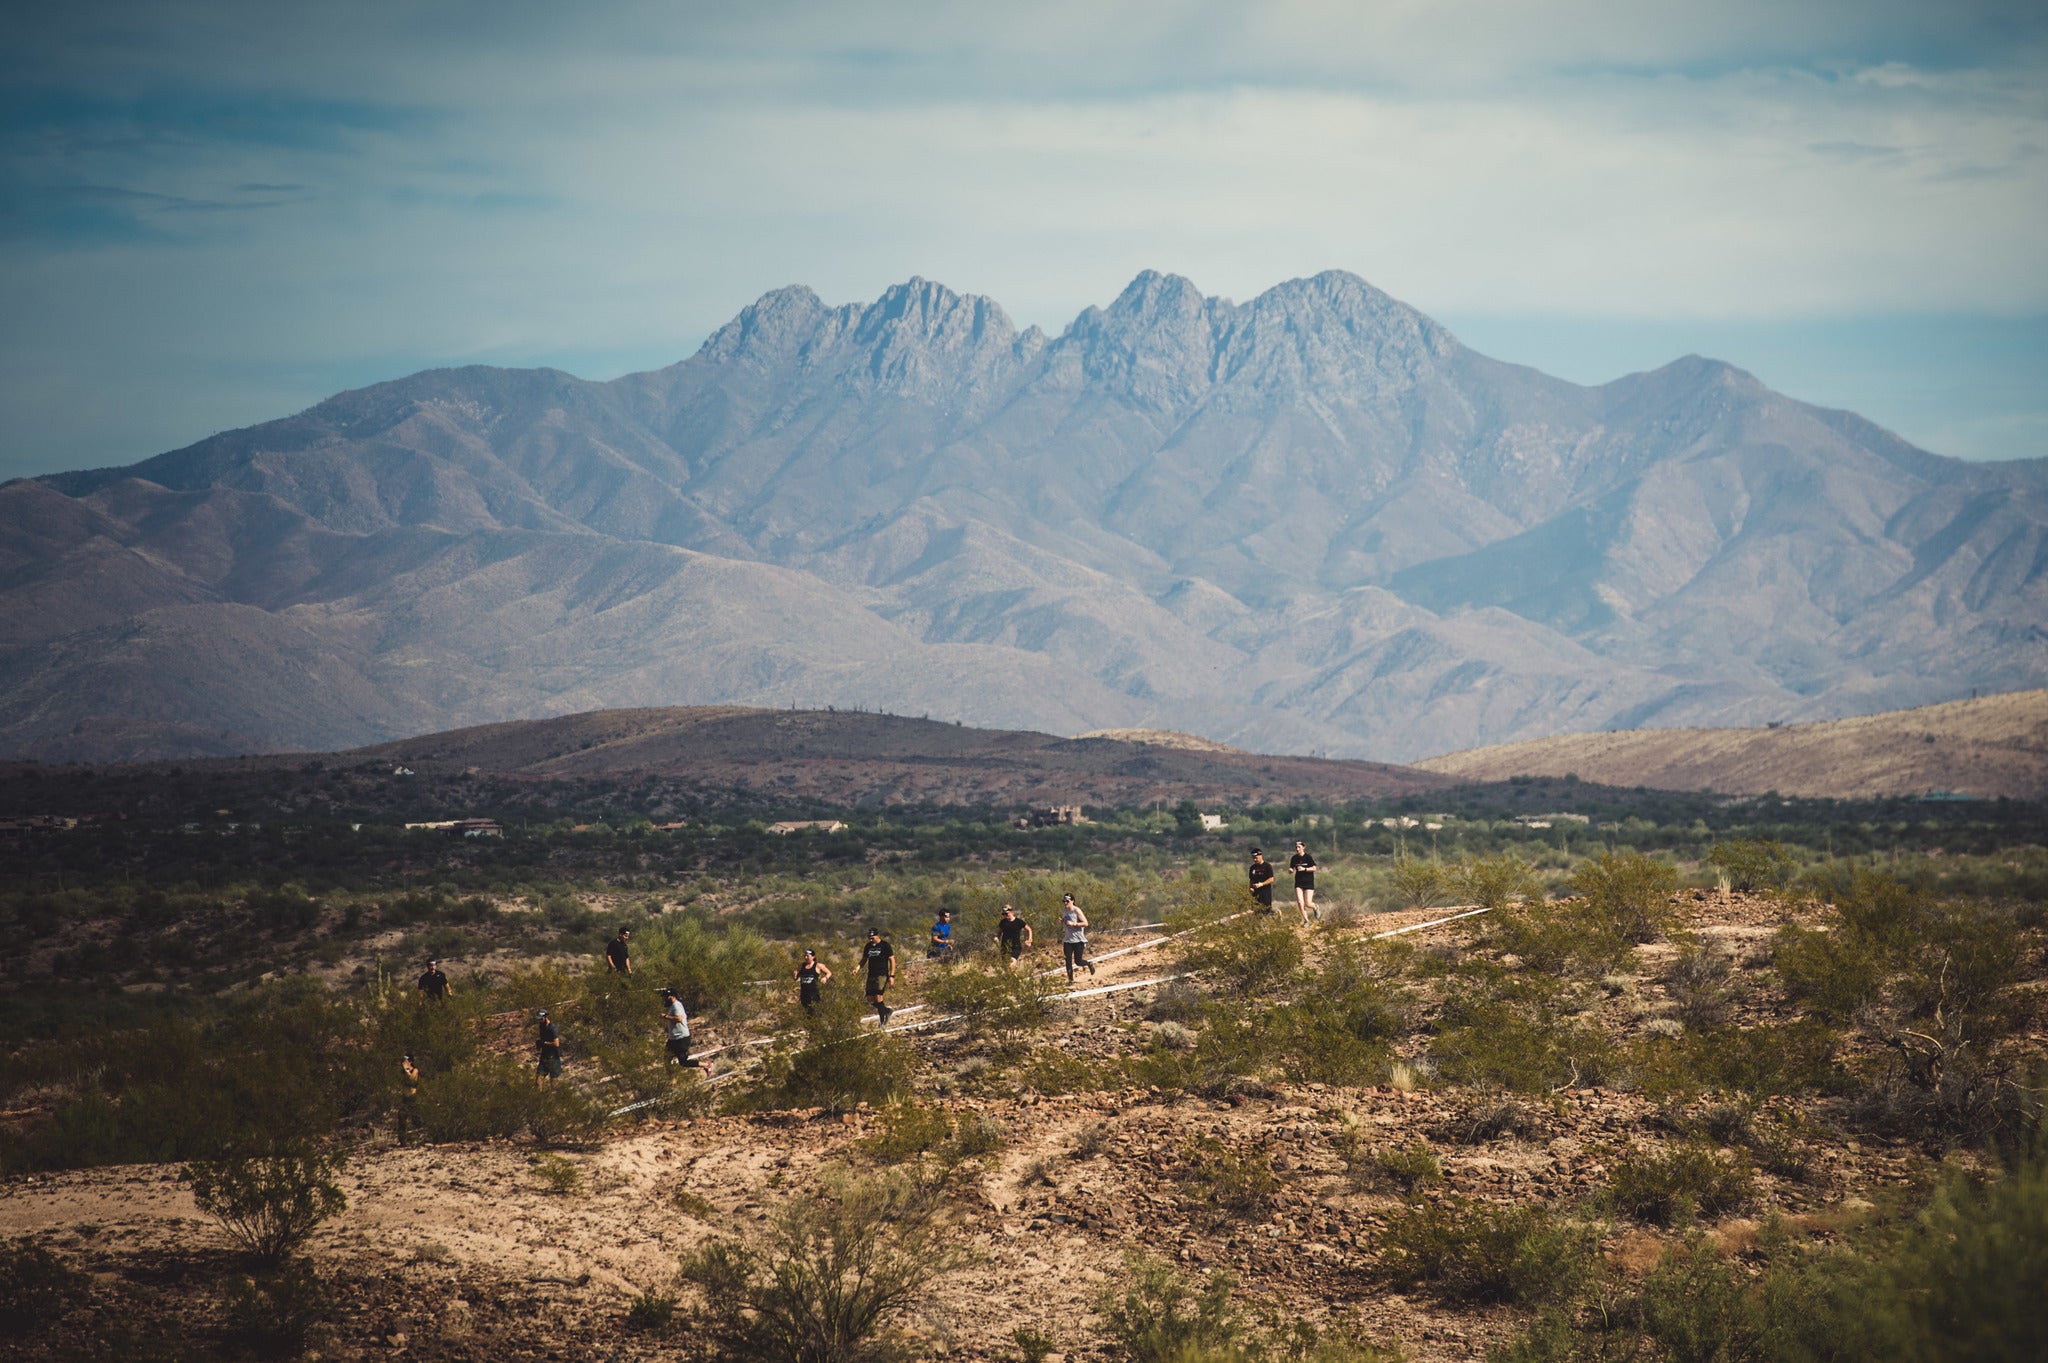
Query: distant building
468, 828
403, 771
788, 826
1051, 816
670, 827
1212, 823
1546, 820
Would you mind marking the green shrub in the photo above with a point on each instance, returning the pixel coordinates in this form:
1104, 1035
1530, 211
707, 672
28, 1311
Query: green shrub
1418, 884
1628, 891
1410, 1166
1684, 1183
1052, 1072
838, 1270
1494, 882
1035, 1345
1470, 1251
651, 1312
1157, 1316
558, 1174
1754, 1062
842, 1063
1752, 865
36, 1286
1248, 957
995, 999
268, 1204
1489, 1119
1525, 1048
1226, 1180
1567, 937
905, 1131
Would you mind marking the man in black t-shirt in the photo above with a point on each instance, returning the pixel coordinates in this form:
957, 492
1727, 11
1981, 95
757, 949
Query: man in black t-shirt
550, 1066
618, 958
1261, 872
1013, 934
434, 984
881, 962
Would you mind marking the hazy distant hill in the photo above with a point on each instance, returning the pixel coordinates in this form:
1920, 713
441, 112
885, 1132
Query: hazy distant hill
852, 758
1990, 747
1312, 521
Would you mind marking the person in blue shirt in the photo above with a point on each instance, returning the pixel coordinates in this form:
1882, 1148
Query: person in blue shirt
941, 946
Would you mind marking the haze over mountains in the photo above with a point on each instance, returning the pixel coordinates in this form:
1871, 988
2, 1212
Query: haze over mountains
1313, 521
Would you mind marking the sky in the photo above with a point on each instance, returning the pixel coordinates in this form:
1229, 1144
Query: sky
213, 212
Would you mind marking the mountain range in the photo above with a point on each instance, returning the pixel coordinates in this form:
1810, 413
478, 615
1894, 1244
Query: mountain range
1310, 522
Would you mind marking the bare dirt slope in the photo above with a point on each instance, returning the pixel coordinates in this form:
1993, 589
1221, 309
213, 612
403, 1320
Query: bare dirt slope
1987, 748
463, 1251
852, 755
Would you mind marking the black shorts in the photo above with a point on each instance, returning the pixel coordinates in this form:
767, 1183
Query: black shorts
679, 1049
807, 995
551, 1064
1305, 880
1014, 947
878, 985
1264, 894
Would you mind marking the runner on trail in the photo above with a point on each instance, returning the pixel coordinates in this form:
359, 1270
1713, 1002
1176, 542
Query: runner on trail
411, 1071
881, 962
1304, 867
1013, 934
679, 1033
810, 974
618, 957
433, 984
941, 947
1074, 937
1261, 872
550, 1066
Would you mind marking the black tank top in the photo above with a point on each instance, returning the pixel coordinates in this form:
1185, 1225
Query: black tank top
807, 977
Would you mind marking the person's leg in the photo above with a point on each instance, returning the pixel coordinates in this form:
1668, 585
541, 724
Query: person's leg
1313, 911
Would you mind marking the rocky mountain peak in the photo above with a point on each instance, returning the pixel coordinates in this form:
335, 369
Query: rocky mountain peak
773, 329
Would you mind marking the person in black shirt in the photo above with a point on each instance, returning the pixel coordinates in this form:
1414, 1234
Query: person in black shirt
550, 1066
433, 984
881, 963
1304, 867
811, 973
1261, 872
618, 957
1013, 934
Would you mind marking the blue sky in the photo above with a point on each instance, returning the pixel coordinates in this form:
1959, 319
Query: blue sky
216, 213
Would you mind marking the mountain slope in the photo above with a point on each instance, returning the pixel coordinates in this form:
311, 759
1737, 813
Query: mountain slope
1996, 746
1310, 521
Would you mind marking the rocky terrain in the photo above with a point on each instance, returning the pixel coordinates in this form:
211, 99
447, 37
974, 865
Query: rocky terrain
456, 1251
1310, 522
1988, 748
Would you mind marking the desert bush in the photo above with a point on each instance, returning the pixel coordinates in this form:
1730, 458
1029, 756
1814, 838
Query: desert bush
1248, 957
276, 1313
1752, 865
1628, 891
268, 1204
1754, 1062
1525, 1048
1226, 1180
495, 1097
558, 1174
906, 1130
1462, 1249
1418, 884
841, 1064
1488, 1119
1158, 1316
1000, 1000
651, 1312
1052, 1071
1699, 980
36, 1286
839, 1270
1178, 1001
1410, 1166
1568, 937
1684, 1183
1494, 882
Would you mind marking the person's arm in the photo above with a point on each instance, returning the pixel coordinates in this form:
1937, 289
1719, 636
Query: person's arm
1080, 917
824, 973
1027, 937
892, 967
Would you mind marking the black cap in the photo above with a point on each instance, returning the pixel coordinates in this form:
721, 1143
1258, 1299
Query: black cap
669, 990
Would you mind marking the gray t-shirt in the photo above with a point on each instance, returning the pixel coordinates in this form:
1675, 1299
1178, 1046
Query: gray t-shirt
1070, 921
678, 1021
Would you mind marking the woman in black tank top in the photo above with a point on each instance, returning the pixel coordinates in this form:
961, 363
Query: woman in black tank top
811, 973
